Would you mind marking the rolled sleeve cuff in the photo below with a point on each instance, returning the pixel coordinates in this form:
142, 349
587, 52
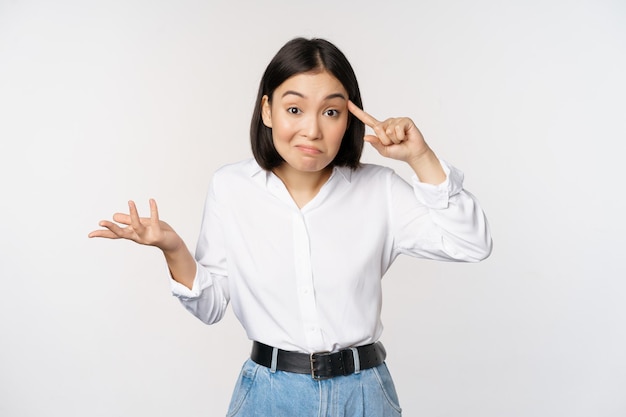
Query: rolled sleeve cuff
438, 196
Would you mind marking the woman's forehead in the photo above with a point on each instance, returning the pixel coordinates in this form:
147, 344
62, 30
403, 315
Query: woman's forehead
311, 85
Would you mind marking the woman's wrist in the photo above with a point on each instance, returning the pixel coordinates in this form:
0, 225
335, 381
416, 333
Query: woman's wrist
427, 167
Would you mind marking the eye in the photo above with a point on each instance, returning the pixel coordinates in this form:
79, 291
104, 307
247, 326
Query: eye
293, 110
332, 113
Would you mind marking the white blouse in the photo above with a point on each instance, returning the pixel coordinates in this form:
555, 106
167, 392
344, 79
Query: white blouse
309, 279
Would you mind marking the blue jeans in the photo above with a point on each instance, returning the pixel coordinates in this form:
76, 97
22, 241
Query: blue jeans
262, 393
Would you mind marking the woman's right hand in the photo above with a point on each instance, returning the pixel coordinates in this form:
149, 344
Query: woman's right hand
144, 230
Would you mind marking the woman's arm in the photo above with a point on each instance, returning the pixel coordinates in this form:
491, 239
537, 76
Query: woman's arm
449, 222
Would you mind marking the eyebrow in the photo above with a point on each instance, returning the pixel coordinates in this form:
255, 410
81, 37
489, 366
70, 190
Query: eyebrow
328, 97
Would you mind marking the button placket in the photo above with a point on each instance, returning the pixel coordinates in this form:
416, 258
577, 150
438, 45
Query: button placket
304, 281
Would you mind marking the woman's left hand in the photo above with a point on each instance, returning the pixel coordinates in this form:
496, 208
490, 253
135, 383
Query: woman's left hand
396, 138
399, 138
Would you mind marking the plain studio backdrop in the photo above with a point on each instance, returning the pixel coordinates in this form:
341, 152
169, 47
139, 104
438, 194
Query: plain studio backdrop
106, 101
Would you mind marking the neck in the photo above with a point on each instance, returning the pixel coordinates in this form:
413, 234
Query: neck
303, 186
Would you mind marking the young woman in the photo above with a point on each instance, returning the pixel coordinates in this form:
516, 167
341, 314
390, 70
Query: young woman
298, 239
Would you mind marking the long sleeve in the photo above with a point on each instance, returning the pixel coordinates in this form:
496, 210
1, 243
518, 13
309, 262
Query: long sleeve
209, 295
446, 224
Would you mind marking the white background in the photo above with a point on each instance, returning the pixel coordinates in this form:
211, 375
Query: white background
105, 101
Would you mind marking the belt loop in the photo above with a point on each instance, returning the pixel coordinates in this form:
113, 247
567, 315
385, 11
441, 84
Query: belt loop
274, 360
357, 360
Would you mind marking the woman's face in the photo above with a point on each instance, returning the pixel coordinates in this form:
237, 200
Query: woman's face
308, 116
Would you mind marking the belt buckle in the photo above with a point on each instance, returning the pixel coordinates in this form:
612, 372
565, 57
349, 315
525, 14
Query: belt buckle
312, 360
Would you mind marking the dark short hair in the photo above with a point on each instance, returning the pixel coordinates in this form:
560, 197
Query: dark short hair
298, 56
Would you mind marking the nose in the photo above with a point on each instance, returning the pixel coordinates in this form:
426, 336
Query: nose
312, 129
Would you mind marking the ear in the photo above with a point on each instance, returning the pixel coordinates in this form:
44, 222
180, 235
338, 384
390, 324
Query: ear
266, 111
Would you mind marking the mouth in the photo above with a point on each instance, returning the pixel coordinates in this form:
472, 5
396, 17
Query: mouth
309, 149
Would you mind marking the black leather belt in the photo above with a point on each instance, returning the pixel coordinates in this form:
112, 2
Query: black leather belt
322, 365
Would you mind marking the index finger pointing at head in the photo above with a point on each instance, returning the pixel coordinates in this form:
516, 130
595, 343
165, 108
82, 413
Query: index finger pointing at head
361, 115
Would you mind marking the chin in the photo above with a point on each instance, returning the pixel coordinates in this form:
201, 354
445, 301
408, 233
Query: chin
309, 165
313, 168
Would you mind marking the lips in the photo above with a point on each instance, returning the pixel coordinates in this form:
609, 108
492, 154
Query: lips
308, 149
